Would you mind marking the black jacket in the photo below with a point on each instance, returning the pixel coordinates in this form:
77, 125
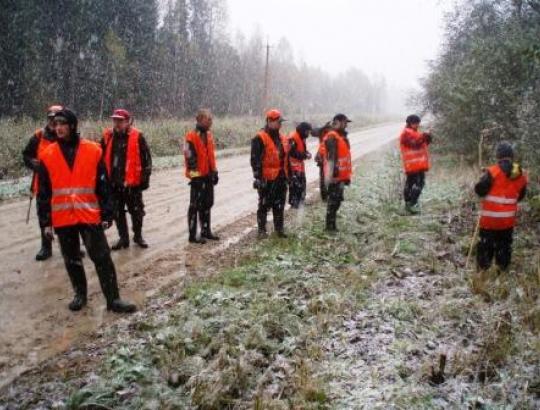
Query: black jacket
118, 158
483, 186
30, 152
257, 153
44, 196
331, 150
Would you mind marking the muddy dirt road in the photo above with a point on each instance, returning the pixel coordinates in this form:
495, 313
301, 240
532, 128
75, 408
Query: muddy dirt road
34, 320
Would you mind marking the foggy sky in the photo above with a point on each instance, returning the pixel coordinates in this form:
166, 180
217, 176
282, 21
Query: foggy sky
394, 38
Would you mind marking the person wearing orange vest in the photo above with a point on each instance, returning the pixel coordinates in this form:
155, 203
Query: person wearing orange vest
74, 201
500, 188
415, 157
270, 172
41, 139
337, 165
129, 165
321, 133
201, 170
297, 155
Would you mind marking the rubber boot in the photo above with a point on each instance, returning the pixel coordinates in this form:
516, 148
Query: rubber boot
206, 230
46, 248
121, 225
78, 281
331, 216
192, 227
279, 223
261, 223
137, 222
109, 286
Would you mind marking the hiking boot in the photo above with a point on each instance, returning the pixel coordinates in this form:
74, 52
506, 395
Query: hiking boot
120, 244
121, 306
78, 302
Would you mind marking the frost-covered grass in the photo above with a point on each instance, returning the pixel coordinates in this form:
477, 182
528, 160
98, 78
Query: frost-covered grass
352, 320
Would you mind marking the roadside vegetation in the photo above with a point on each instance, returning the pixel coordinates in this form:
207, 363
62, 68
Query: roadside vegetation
379, 315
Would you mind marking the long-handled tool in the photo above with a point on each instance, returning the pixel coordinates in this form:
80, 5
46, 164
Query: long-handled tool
31, 198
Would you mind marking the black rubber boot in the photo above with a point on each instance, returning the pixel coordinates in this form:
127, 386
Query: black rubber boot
78, 302
137, 232
46, 248
121, 306
121, 225
78, 281
279, 223
331, 216
192, 227
206, 230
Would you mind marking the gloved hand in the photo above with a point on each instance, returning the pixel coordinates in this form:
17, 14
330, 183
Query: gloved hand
106, 225
215, 178
318, 159
194, 174
48, 232
259, 184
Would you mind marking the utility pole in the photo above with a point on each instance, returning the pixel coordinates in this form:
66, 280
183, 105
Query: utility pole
266, 77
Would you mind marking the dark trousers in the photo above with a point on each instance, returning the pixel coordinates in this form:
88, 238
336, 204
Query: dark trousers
297, 189
494, 244
322, 184
414, 184
132, 198
272, 196
97, 247
335, 198
201, 200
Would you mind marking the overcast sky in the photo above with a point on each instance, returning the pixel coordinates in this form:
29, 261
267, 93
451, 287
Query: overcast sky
394, 38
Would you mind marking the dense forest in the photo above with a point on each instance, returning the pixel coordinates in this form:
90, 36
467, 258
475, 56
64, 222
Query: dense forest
487, 79
158, 59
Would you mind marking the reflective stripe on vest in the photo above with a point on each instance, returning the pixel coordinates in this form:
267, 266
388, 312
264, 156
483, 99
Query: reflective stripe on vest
500, 200
495, 214
64, 206
72, 191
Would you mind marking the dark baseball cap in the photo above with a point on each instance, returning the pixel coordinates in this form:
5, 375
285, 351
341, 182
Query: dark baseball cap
341, 117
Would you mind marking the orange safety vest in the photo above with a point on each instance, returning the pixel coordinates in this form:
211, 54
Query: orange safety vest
74, 200
344, 162
297, 165
133, 169
499, 207
271, 164
206, 157
414, 159
43, 144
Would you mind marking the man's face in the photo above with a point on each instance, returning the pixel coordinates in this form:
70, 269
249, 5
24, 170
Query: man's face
120, 124
205, 121
415, 125
62, 129
274, 125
